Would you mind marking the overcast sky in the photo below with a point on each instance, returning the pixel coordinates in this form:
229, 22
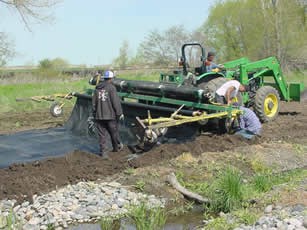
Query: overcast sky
91, 32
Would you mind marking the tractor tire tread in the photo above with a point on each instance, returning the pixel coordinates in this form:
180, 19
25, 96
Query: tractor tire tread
259, 102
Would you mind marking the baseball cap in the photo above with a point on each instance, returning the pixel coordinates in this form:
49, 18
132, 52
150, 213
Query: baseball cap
108, 74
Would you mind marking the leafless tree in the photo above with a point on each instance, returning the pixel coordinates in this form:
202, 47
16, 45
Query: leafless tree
6, 49
31, 9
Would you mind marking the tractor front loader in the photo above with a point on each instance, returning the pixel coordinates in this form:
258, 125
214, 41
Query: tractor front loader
264, 78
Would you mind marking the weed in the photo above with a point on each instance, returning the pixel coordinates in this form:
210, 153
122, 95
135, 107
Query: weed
262, 182
245, 216
147, 218
140, 185
179, 210
226, 193
219, 223
129, 171
258, 166
106, 224
299, 149
50, 227
12, 222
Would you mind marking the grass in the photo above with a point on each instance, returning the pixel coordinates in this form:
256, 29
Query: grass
226, 192
9, 93
145, 218
109, 224
47, 86
262, 182
140, 185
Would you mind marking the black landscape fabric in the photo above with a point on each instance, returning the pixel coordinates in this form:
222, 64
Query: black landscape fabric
77, 134
39, 144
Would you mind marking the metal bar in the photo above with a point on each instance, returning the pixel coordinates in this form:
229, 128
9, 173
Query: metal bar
176, 102
183, 120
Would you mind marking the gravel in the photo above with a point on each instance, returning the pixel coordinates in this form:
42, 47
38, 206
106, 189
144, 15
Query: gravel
280, 218
79, 203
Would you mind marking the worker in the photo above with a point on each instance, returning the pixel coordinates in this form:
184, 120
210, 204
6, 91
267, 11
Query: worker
249, 124
107, 112
210, 65
228, 91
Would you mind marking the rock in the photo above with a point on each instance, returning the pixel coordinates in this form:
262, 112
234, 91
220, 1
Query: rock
25, 204
298, 208
3, 222
34, 221
268, 209
295, 222
305, 221
114, 184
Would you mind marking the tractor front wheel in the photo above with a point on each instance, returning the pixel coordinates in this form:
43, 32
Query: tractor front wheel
267, 103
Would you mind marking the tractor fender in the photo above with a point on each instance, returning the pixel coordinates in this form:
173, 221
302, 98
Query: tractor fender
208, 77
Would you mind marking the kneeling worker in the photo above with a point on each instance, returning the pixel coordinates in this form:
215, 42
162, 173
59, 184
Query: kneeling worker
249, 124
107, 111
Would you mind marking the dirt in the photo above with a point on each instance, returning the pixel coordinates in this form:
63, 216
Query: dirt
22, 181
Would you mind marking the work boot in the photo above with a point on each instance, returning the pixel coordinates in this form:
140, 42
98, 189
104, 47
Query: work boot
104, 156
119, 148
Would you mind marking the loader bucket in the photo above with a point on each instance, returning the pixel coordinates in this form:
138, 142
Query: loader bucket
295, 90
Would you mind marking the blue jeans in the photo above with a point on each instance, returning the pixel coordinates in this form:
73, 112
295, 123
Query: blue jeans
245, 133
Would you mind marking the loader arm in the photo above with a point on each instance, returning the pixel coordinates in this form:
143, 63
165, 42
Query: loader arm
266, 68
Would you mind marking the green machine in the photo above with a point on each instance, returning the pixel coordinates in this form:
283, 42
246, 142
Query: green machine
264, 78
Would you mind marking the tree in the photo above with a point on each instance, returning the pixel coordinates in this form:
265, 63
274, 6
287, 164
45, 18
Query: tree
122, 60
162, 48
28, 10
31, 9
6, 49
256, 29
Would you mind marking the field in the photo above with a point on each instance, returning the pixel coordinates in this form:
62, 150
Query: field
281, 149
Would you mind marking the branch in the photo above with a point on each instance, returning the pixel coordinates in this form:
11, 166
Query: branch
174, 182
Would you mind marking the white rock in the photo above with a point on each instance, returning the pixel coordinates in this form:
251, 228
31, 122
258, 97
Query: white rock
268, 209
34, 221
305, 221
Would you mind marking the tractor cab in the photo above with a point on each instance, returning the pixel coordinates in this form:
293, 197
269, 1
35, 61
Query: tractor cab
191, 63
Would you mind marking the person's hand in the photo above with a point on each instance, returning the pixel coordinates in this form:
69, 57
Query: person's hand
121, 117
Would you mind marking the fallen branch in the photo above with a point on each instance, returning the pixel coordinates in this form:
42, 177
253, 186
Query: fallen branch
191, 195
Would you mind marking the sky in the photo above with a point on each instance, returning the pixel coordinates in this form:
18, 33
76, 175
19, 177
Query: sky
91, 32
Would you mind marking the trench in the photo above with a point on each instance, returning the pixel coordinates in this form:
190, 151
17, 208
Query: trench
188, 220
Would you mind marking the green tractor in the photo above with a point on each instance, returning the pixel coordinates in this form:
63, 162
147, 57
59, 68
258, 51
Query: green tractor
264, 78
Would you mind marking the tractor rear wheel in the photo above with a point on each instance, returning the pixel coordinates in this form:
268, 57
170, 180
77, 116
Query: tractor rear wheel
267, 103
212, 85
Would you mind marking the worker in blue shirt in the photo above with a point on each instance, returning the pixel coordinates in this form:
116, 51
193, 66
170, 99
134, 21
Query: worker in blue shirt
249, 124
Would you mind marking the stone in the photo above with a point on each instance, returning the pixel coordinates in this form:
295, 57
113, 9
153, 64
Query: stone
305, 221
25, 204
295, 222
34, 221
114, 184
3, 222
268, 209
298, 208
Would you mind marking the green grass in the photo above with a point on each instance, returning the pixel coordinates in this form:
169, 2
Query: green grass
9, 92
262, 182
145, 218
226, 192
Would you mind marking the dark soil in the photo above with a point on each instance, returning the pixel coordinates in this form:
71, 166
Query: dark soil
22, 181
